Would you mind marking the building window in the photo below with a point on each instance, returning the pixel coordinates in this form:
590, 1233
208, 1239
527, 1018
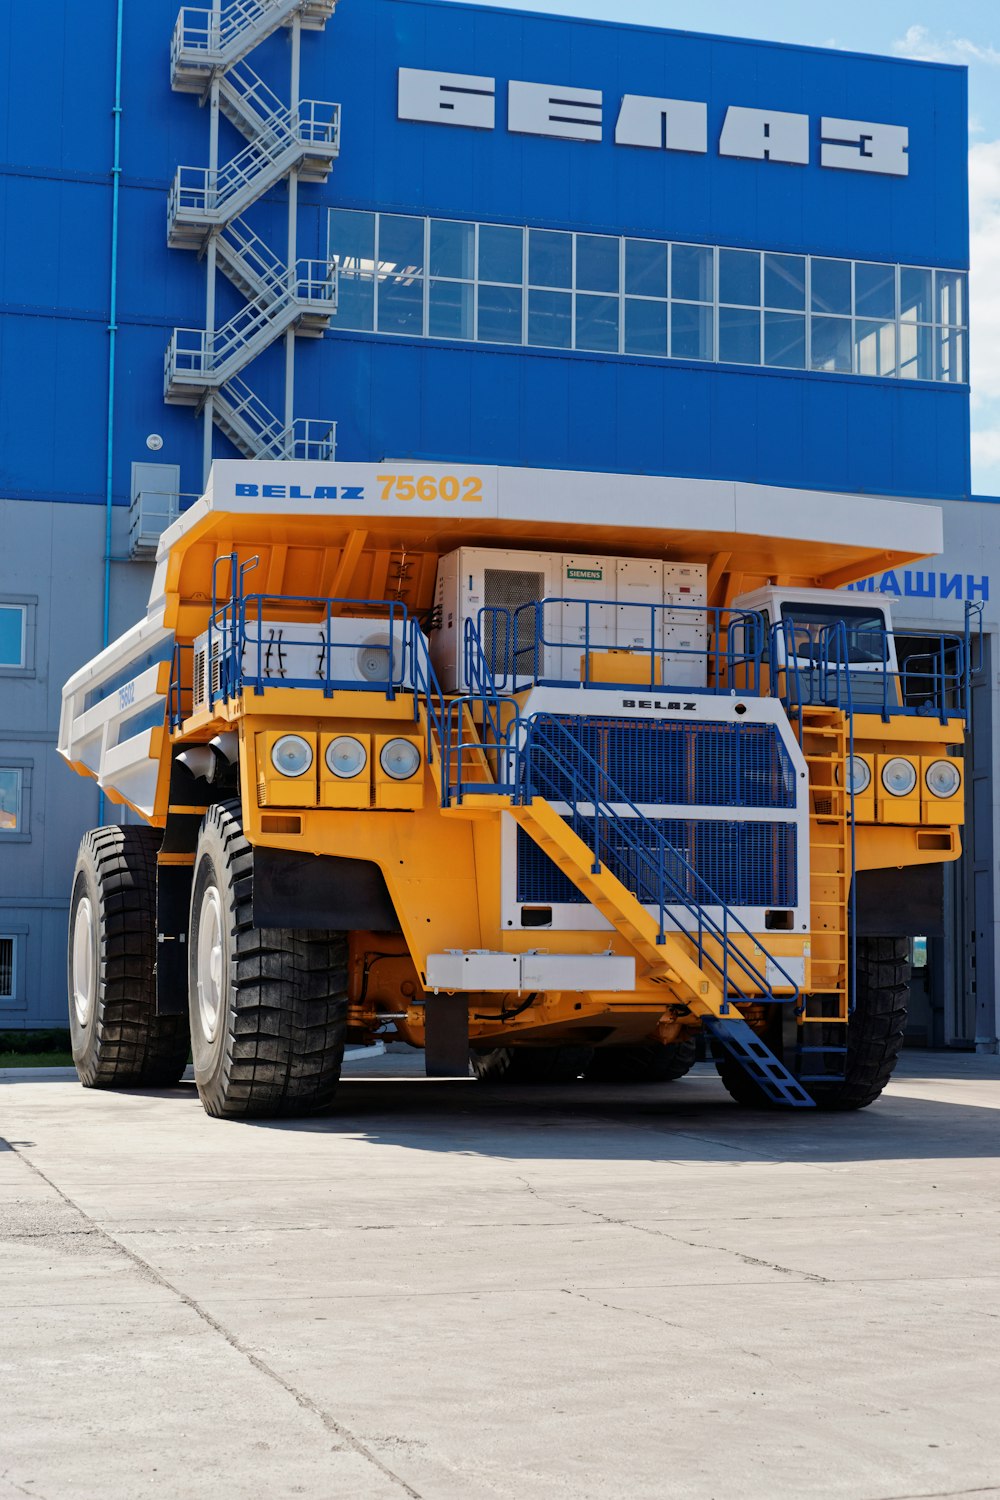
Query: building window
7, 975
596, 293
11, 780
13, 635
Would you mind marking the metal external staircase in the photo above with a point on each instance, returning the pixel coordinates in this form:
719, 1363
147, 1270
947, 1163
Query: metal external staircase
205, 41
285, 297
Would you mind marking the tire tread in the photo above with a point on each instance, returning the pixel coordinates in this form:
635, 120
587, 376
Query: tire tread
134, 1046
288, 1015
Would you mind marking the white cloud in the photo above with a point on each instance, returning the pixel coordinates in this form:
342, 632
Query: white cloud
984, 191
920, 42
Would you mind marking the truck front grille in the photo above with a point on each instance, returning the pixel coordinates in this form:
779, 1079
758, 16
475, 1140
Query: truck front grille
745, 864
667, 763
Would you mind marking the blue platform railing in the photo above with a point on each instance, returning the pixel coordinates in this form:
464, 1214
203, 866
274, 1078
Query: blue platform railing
873, 671
531, 645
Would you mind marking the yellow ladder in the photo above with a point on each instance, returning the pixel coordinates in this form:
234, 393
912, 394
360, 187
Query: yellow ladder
825, 747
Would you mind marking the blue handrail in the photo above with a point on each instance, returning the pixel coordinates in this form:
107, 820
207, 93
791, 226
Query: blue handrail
516, 643
929, 682
427, 688
545, 738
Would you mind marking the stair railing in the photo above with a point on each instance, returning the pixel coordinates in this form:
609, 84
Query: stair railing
546, 745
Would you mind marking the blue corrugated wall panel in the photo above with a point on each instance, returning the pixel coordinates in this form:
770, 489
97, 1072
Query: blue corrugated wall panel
429, 400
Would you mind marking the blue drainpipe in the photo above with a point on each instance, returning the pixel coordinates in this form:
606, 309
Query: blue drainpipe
116, 172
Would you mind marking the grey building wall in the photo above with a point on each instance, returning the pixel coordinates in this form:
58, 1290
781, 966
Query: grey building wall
51, 556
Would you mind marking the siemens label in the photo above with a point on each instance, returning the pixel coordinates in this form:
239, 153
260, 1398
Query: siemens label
575, 114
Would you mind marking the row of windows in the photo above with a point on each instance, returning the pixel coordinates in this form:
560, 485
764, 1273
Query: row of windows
491, 283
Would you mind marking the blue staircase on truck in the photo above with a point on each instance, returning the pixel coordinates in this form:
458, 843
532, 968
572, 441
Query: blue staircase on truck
623, 863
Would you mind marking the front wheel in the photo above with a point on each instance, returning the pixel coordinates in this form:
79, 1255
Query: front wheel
117, 1038
268, 1005
874, 1034
876, 1029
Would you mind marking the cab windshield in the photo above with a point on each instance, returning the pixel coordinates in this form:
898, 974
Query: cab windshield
807, 625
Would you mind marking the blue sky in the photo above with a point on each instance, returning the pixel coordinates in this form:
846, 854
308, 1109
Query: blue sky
962, 31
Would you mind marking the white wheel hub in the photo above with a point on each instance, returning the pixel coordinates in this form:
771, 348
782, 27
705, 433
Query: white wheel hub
84, 964
210, 964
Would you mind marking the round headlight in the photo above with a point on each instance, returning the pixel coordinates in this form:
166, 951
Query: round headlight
346, 757
859, 776
943, 778
400, 759
899, 777
291, 755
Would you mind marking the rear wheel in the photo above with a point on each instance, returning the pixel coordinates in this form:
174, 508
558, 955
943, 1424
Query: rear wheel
117, 1038
531, 1065
268, 1005
874, 1033
643, 1062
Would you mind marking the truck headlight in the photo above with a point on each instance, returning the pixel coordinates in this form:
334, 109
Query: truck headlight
858, 775
400, 759
943, 778
899, 776
346, 757
291, 755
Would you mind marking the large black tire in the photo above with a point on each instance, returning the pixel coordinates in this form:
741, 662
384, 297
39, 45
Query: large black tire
268, 1005
643, 1062
874, 1035
117, 1038
533, 1066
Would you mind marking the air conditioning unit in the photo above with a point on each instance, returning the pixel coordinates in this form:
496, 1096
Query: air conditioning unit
206, 676
477, 578
363, 651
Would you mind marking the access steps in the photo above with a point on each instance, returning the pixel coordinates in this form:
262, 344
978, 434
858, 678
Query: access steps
670, 958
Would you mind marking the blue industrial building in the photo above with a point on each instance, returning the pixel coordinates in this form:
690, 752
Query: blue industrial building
418, 229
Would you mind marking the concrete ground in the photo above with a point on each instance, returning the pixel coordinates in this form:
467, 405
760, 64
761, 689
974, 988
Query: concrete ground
460, 1294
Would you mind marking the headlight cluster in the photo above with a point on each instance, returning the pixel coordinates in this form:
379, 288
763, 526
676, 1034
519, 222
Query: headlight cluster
942, 778
347, 771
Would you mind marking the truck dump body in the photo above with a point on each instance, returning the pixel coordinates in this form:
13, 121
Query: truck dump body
556, 760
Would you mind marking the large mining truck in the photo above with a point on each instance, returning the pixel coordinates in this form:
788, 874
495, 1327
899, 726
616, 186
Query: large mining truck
544, 773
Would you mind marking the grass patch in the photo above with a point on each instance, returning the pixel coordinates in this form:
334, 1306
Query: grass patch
36, 1059
35, 1049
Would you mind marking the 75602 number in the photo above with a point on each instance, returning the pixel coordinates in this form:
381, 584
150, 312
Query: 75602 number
428, 487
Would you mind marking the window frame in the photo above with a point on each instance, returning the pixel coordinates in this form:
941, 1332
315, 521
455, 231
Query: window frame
10, 998
24, 768
942, 335
28, 605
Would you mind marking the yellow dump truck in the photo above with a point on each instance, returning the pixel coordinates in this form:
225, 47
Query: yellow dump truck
544, 773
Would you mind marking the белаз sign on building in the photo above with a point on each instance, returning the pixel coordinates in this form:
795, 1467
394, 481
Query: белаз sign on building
574, 114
